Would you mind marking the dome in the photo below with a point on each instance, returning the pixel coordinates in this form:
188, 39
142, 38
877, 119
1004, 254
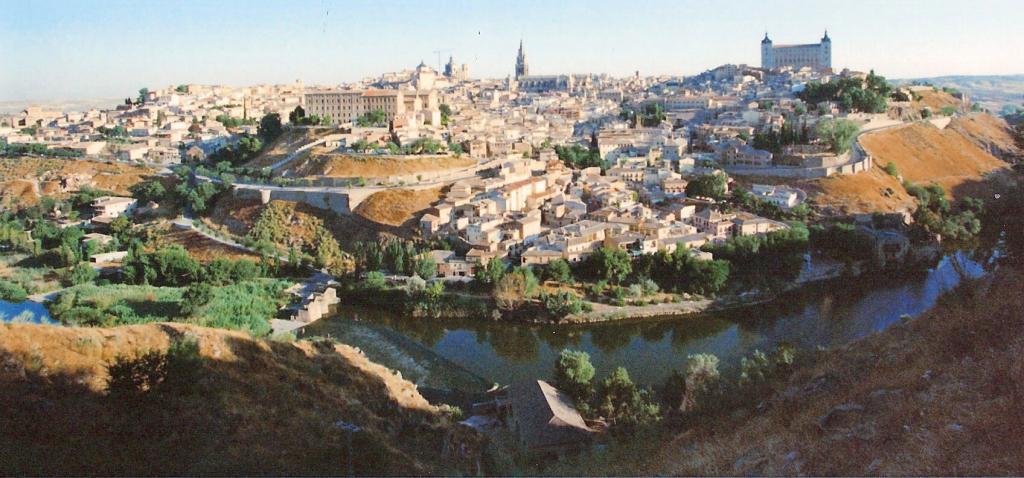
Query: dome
766, 39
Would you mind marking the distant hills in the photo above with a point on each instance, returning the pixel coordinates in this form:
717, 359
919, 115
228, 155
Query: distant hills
991, 91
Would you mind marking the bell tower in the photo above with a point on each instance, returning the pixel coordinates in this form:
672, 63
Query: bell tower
767, 56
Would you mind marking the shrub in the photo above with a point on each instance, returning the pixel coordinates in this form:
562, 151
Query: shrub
12, 292
574, 374
562, 303
134, 376
890, 168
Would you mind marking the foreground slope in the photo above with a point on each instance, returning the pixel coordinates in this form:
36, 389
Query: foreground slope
941, 394
259, 407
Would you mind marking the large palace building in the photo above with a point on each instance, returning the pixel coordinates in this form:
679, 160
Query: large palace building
814, 55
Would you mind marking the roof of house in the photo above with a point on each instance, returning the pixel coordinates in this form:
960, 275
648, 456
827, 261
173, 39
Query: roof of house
546, 417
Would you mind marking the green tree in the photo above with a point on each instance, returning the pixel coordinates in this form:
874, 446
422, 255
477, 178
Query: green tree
195, 296
574, 375
610, 264
446, 114
838, 133
558, 270
624, 404
149, 190
296, 116
143, 95
12, 292
425, 267
492, 272
270, 127
82, 273
709, 185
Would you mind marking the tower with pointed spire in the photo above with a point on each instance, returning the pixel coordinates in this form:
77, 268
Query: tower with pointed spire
522, 67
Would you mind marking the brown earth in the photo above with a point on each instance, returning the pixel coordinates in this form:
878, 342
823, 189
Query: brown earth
936, 100
201, 247
862, 193
925, 154
321, 163
991, 134
239, 215
396, 207
25, 178
259, 407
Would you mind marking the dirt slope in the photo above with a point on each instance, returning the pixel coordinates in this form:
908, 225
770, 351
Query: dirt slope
990, 133
862, 193
924, 154
27, 178
395, 207
320, 163
259, 407
290, 140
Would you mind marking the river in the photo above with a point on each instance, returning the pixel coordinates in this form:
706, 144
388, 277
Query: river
466, 355
26, 311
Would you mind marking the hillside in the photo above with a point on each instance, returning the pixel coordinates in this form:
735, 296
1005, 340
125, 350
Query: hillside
28, 178
924, 154
937, 395
337, 165
290, 140
258, 407
990, 133
862, 193
237, 216
395, 207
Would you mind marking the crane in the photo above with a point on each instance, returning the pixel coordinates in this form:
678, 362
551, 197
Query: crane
438, 53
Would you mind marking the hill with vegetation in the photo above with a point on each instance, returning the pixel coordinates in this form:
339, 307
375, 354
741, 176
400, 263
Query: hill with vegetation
26, 179
174, 399
341, 165
961, 158
923, 153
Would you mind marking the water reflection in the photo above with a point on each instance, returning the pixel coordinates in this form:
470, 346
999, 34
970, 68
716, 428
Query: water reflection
825, 315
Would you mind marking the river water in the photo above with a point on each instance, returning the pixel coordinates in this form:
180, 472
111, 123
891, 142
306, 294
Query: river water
26, 311
467, 355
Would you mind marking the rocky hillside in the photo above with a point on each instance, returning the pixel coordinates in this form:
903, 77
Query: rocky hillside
254, 407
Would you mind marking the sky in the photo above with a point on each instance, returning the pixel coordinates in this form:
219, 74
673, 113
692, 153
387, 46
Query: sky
80, 49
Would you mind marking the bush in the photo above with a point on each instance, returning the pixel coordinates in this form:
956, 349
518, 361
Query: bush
177, 369
562, 303
890, 168
574, 374
12, 292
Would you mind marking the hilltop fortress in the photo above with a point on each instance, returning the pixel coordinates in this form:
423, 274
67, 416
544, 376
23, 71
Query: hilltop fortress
814, 55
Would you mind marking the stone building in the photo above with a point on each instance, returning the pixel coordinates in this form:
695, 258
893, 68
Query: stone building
815, 55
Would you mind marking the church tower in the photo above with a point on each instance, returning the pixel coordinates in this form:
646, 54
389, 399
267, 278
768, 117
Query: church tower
522, 68
825, 51
767, 57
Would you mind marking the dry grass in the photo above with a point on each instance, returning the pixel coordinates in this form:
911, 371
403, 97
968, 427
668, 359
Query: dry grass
202, 248
936, 100
321, 163
860, 193
396, 207
25, 178
291, 140
260, 407
924, 154
940, 395
990, 133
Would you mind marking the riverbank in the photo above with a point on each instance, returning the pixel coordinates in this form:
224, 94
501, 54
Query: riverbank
820, 272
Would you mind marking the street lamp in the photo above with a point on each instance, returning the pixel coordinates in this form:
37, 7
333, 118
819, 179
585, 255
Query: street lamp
349, 429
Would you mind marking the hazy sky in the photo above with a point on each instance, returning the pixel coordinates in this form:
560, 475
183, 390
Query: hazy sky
76, 49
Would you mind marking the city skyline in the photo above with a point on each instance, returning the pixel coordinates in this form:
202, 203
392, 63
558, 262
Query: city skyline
60, 51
